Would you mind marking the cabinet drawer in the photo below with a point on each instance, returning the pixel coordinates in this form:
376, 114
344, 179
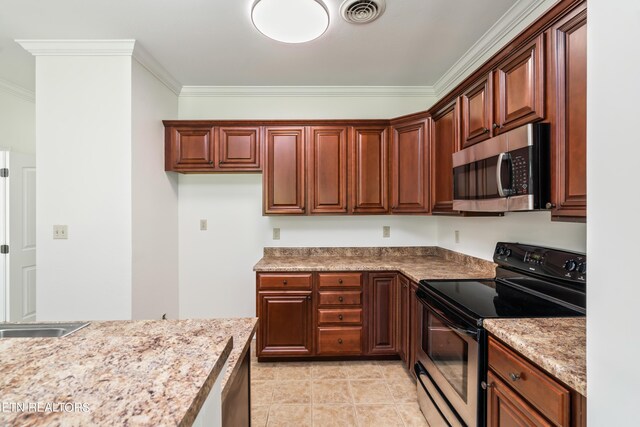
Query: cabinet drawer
538, 388
340, 298
339, 280
284, 281
340, 340
339, 315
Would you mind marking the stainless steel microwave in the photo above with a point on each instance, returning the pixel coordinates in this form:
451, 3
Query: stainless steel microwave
509, 172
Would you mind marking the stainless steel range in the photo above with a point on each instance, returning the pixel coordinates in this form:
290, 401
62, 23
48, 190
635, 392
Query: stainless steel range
531, 281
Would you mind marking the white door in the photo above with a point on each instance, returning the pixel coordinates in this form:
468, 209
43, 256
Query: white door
20, 229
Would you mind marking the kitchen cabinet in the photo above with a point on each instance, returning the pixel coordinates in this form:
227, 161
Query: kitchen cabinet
383, 317
568, 105
410, 165
286, 327
414, 325
477, 111
327, 169
519, 88
189, 148
239, 149
404, 319
506, 408
284, 170
369, 186
444, 142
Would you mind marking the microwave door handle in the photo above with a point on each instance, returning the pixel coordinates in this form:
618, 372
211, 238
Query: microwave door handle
501, 191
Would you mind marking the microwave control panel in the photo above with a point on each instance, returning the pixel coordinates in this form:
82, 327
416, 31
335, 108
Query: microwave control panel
521, 181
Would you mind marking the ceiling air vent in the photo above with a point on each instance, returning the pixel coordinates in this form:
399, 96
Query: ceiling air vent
361, 11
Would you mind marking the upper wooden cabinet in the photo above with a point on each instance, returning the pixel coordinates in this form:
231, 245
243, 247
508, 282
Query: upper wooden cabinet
239, 148
196, 147
369, 176
327, 170
519, 88
189, 149
568, 105
410, 166
477, 111
284, 176
444, 142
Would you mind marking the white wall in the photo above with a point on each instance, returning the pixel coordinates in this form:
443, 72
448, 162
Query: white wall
17, 119
154, 201
478, 235
613, 347
83, 156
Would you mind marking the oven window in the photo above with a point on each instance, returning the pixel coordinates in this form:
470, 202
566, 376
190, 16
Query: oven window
448, 351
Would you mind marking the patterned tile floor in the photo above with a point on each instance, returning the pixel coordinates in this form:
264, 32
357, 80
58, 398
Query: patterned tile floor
372, 393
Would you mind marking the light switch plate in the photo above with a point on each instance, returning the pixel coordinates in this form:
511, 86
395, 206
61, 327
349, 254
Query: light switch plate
203, 225
386, 231
276, 233
60, 232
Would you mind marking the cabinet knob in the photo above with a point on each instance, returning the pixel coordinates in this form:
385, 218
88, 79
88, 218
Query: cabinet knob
340, 316
485, 386
284, 282
339, 340
210, 162
340, 299
496, 126
514, 377
340, 281
309, 297
485, 130
550, 205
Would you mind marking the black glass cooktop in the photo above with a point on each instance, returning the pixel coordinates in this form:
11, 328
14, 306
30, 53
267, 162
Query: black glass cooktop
490, 299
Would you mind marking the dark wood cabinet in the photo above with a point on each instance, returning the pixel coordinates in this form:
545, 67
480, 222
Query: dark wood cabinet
519, 88
382, 309
284, 170
507, 409
239, 149
286, 327
568, 105
404, 319
369, 175
410, 166
189, 148
327, 170
477, 111
444, 142
414, 325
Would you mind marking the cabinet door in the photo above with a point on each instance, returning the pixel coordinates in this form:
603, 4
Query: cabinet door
285, 326
382, 308
569, 152
506, 409
477, 112
369, 170
410, 167
404, 333
239, 149
519, 88
327, 167
414, 329
189, 149
283, 177
444, 142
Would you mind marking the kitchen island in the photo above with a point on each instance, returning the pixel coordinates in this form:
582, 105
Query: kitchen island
159, 373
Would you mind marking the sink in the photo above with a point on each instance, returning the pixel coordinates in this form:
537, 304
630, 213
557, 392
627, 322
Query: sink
39, 330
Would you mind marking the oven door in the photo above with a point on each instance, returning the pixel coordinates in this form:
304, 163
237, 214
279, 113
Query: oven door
448, 350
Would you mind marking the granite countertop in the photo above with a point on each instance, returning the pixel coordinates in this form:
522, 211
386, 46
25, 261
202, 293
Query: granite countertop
557, 345
155, 372
416, 263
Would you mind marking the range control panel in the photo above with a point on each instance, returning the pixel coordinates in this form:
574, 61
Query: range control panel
553, 263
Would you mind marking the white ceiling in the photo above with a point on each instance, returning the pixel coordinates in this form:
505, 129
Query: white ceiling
212, 42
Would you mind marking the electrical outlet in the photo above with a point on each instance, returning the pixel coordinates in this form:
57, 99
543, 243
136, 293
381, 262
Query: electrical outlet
386, 231
456, 235
276, 233
203, 225
60, 232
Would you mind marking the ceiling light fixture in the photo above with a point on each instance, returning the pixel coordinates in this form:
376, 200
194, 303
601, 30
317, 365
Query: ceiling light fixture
290, 21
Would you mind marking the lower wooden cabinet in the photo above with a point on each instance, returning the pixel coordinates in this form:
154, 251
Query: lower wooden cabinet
340, 340
382, 314
285, 326
507, 409
404, 321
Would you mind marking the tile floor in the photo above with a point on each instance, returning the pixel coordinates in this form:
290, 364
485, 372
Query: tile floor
359, 393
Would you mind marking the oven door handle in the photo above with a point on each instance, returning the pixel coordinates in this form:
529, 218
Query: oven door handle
443, 318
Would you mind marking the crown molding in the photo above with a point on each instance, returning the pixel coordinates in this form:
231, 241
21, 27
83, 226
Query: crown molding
78, 47
308, 91
17, 91
517, 17
145, 59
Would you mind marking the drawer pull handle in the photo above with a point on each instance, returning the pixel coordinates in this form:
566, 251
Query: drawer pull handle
514, 377
340, 316
284, 282
339, 340
340, 281
486, 385
340, 299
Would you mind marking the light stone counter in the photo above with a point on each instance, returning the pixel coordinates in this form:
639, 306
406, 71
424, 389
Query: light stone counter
136, 373
557, 345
